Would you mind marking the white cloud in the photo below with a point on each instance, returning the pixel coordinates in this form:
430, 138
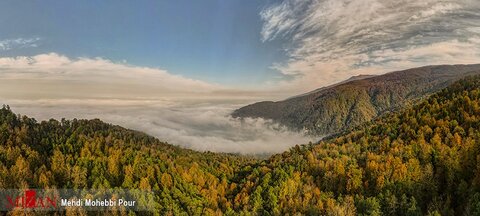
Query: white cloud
195, 124
330, 40
53, 75
9, 44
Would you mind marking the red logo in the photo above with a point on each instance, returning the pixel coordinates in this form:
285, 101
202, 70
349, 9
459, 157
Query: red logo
30, 200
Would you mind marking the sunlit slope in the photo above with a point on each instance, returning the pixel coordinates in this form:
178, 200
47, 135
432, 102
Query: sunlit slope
421, 160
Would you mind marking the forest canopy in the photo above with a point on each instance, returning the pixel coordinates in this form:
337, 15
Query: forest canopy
420, 160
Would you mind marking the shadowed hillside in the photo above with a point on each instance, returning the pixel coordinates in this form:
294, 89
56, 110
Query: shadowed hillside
351, 103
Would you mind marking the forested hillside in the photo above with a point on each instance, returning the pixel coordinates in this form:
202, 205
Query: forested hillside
424, 160
358, 100
93, 154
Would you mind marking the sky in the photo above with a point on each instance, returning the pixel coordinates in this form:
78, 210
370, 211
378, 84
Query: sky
176, 69
214, 41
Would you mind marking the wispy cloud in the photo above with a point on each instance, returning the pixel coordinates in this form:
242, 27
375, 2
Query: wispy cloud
18, 43
330, 40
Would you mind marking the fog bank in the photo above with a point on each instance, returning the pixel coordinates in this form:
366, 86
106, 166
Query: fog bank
193, 124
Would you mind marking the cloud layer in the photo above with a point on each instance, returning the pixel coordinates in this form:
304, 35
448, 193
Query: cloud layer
54, 75
198, 125
330, 40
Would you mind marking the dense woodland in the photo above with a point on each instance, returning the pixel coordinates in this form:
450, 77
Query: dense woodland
423, 160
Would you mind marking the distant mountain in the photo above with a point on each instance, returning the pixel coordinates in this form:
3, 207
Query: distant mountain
356, 100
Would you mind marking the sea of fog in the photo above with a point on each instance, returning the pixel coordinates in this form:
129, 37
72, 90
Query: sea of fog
194, 124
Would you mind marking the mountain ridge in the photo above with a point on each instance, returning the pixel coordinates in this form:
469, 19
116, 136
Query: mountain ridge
352, 78
350, 103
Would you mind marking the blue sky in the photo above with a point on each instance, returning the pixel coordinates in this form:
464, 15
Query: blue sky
213, 40
284, 47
